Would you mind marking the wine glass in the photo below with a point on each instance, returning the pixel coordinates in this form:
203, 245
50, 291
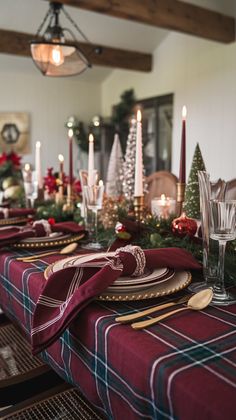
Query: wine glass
222, 229
94, 198
31, 188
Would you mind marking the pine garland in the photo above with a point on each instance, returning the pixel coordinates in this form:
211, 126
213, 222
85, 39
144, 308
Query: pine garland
154, 233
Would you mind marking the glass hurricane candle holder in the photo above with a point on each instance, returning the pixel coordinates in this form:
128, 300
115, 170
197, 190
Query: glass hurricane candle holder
162, 207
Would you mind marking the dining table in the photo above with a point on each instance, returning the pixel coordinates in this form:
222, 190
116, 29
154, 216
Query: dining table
182, 368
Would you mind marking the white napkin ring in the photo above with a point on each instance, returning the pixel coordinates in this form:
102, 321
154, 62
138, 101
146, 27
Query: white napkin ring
139, 256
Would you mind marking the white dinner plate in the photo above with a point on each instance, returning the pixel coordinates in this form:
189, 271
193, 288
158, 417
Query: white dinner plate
142, 283
124, 283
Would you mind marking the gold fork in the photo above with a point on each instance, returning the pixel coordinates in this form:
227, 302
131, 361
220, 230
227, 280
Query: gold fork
131, 317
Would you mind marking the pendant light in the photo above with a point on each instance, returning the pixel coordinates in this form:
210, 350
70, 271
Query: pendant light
52, 53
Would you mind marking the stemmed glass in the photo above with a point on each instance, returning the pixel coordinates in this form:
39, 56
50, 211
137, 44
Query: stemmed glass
222, 229
31, 188
94, 198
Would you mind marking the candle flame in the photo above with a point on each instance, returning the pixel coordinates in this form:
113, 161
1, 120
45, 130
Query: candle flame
100, 183
70, 133
184, 112
139, 116
163, 198
61, 158
38, 144
27, 167
91, 138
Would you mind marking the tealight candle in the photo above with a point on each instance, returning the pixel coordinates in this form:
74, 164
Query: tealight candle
163, 206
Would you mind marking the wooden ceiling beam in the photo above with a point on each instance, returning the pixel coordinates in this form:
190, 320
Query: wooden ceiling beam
17, 43
168, 14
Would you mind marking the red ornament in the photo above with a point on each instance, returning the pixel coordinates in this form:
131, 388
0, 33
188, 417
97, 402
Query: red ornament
183, 226
121, 231
51, 221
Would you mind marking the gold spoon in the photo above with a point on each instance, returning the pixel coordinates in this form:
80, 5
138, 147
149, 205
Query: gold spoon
197, 302
68, 249
136, 315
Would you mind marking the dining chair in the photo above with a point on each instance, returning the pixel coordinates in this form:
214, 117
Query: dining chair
59, 402
160, 182
21, 374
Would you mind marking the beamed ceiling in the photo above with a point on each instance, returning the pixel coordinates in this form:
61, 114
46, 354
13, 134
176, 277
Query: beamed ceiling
165, 14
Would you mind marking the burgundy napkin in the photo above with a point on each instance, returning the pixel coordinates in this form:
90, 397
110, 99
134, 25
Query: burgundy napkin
13, 234
7, 213
68, 291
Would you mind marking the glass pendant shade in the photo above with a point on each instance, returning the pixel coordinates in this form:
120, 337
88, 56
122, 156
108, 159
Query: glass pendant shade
58, 59
51, 52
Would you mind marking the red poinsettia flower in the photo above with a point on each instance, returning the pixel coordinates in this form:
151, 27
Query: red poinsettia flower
3, 158
14, 158
50, 181
77, 186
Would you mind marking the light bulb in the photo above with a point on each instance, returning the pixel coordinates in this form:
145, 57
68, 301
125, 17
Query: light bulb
56, 56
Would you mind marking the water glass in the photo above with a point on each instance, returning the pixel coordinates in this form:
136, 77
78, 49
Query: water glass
208, 190
222, 229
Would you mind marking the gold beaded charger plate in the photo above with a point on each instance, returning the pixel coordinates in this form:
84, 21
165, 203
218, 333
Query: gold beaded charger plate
179, 281
174, 283
13, 221
48, 242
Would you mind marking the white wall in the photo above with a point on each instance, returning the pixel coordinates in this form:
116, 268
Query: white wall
202, 75
49, 102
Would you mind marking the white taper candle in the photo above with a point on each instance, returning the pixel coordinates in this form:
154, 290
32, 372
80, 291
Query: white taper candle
138, 181
38, 167
91, 161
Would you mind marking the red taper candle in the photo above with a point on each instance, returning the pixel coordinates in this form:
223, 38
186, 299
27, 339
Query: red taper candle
182, 167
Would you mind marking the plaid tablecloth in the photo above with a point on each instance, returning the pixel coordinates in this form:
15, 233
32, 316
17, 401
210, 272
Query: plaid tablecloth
183, 368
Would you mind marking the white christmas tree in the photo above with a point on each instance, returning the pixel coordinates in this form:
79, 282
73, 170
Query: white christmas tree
129, 162
115, 169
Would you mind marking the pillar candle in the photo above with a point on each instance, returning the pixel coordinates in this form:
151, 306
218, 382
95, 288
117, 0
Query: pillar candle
70, 137
38, 167
182, 167
138, 181
91, 161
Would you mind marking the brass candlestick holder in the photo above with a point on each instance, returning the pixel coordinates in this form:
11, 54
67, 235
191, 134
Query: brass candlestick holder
69, 205
60, 195
138, 208
180, 196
